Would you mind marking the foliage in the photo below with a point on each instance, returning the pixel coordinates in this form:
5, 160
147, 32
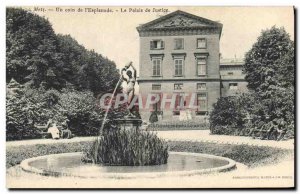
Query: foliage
32, 107
61, 78
261, 61
28, 107
269, 68
229, 114
31, 50
36, 56
19, 114
86, 70
162, 125
128, 147
81, 111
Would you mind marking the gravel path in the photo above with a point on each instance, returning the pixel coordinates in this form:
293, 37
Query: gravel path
185, 135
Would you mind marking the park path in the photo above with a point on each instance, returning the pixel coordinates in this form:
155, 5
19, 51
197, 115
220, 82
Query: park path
184, 135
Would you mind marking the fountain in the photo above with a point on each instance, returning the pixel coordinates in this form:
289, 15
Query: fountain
123, 150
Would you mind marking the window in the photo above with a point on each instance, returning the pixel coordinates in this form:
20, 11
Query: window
178, 43
201, 43
230, 73
201, 66
156, 67
156, 44
233, 86
201, 86
156, 87
178, 67
178, 86
202, 102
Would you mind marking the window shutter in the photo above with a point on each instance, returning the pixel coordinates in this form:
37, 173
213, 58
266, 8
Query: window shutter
151, 45
162, 44
177, 102
159, 102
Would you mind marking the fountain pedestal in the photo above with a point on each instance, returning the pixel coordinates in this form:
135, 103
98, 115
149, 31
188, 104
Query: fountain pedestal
129, 123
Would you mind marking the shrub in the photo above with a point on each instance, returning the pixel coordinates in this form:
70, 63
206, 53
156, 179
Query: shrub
81, 111
20, 112
47, 104
30, 107
18, 124
162, 125
227, 114
128, 148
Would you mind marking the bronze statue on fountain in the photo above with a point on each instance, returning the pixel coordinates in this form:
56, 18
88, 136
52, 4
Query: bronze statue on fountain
132, 118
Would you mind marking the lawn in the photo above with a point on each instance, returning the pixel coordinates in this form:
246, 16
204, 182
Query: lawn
251, 156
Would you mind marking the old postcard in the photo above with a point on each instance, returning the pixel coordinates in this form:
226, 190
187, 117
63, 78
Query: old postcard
150, 97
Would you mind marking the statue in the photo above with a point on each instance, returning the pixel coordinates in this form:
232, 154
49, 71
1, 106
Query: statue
129, 90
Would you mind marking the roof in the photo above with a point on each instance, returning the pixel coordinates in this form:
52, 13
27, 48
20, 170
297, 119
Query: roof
179, 20
232, 61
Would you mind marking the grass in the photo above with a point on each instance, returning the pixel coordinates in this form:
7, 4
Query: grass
251, 156
16, 154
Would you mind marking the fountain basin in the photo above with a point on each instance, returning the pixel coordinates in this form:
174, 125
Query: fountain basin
179, 164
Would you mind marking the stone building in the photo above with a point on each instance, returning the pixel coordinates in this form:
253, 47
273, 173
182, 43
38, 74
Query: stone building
180, 54
232, 77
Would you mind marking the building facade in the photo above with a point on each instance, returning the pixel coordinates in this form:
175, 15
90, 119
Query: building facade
232, 77
180, 54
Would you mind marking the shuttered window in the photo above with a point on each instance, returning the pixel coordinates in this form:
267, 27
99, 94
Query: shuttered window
178, 43
202, 101
156, 67
178, 67
156, 44
201, 43
201, 66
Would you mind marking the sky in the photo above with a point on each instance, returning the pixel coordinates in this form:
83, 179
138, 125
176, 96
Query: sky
114, 35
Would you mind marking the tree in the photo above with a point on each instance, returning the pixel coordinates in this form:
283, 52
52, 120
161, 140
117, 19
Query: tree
74, 56
98, 74
31, 50
87, 69
269, 68
261, 60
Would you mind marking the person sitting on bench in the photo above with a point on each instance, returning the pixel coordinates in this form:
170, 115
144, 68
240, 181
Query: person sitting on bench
54, 131
66, 132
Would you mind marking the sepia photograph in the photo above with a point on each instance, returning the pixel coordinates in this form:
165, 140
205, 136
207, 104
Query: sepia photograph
150, 97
